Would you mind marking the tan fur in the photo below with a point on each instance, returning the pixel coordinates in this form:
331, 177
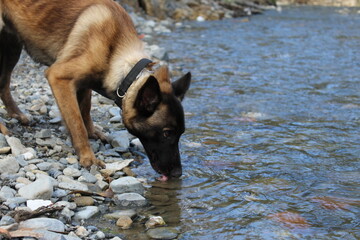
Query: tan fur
1, 19
163, 76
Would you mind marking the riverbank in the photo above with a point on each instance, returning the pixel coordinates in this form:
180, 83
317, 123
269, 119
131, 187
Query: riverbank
335, 3
44, 192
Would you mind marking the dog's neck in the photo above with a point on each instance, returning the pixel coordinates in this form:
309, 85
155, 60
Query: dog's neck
119, 70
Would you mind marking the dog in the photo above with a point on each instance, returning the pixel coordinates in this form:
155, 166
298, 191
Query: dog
92, 45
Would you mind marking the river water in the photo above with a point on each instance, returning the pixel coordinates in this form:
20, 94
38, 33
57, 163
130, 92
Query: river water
272, 145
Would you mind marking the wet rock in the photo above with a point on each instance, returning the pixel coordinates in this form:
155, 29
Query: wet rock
163, 233
9, 165
124, 222
130, 200
116, 215
86, 212
155, 221
127, 185
100, 235
82, 232
42, 188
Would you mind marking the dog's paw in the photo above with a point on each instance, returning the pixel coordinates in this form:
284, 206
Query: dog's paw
22, 118
88, 162
3, 129
98, 134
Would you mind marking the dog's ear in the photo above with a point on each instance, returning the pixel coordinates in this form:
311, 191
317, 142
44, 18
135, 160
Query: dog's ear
181, 85
148, 97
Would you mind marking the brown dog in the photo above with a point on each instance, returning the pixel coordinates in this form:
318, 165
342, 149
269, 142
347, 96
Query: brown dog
93, 45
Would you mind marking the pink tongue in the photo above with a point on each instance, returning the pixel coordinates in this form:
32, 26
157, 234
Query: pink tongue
163, 178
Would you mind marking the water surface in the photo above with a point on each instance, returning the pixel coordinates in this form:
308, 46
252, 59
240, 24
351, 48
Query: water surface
273, 120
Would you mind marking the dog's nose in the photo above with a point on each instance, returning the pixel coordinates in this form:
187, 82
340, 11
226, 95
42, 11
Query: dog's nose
176, 172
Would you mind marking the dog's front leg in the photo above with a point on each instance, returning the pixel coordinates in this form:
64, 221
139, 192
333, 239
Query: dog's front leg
64, 89
84, 99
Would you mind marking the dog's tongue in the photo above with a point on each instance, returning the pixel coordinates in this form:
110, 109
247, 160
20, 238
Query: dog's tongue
163, 178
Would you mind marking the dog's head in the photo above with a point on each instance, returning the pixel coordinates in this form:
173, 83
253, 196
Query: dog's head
152, 111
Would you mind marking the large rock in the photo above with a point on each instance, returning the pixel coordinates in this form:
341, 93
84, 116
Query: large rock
130, 200
86, 212
9, 164
44, 223
127, 185
42, 188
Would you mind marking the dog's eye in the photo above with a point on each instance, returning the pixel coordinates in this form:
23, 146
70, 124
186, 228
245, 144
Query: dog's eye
167, 132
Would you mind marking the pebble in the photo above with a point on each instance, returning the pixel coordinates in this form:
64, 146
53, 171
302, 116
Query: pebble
83, 201
86, 212
16, 146
37, 203
155, 221
9, 165
162, 233
131, 213
124, 222
130, 200
42, 188
72, 172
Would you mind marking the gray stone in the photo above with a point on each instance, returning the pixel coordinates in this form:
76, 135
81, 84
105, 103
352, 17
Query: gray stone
44, 166
9, 165
4, 146
116, 215
6, 220
21, 160
70, 184
59, 193
114, 111
127, 185
87, 177
100, 235
120, 139
43, 223
86, 212
44, 133
72, 172
15, 144
42, 188
163, 233
6, 193
129, 200
136, 142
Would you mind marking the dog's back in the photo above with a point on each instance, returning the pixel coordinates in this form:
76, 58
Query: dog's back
45, 31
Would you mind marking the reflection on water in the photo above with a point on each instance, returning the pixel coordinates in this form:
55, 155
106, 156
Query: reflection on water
273, 119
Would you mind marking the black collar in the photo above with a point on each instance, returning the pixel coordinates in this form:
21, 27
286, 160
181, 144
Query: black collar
129, 79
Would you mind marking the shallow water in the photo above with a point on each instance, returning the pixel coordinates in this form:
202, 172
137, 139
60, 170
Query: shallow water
273, 120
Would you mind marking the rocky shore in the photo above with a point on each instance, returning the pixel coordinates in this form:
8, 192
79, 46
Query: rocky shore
44, 192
